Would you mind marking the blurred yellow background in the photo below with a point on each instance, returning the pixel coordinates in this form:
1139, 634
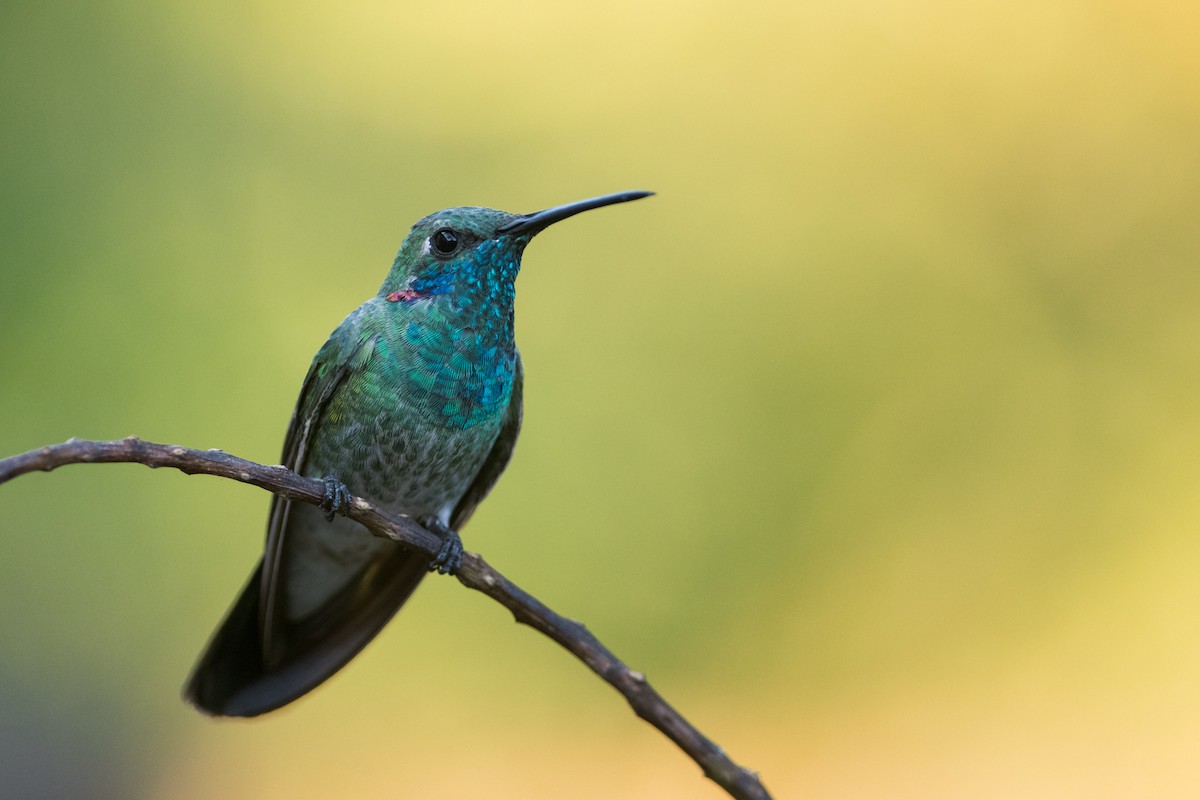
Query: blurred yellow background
873, 439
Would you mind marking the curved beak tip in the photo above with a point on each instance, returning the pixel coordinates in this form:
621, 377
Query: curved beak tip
538, 220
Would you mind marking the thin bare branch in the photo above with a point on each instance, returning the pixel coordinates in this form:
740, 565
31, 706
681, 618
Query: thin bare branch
475, 573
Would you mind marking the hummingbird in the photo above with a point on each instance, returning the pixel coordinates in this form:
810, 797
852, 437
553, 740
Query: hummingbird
414, 403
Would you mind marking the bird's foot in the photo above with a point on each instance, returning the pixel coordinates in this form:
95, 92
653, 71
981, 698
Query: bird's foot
449, 558
336, 498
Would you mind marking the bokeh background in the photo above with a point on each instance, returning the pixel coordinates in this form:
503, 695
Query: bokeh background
873, 439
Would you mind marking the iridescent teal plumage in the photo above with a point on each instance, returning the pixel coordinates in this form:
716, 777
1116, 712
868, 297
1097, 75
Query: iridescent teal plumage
459, 358
414, 402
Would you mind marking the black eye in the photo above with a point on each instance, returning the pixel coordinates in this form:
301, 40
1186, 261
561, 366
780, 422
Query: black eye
444, 242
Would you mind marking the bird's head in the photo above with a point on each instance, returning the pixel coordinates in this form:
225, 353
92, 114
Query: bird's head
472, 255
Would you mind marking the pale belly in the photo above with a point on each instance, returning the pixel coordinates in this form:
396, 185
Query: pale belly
409, 468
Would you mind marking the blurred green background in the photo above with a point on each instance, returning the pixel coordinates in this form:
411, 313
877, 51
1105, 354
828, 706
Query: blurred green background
873, 439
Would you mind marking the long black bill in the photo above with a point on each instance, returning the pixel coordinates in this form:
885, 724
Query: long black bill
532, 223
